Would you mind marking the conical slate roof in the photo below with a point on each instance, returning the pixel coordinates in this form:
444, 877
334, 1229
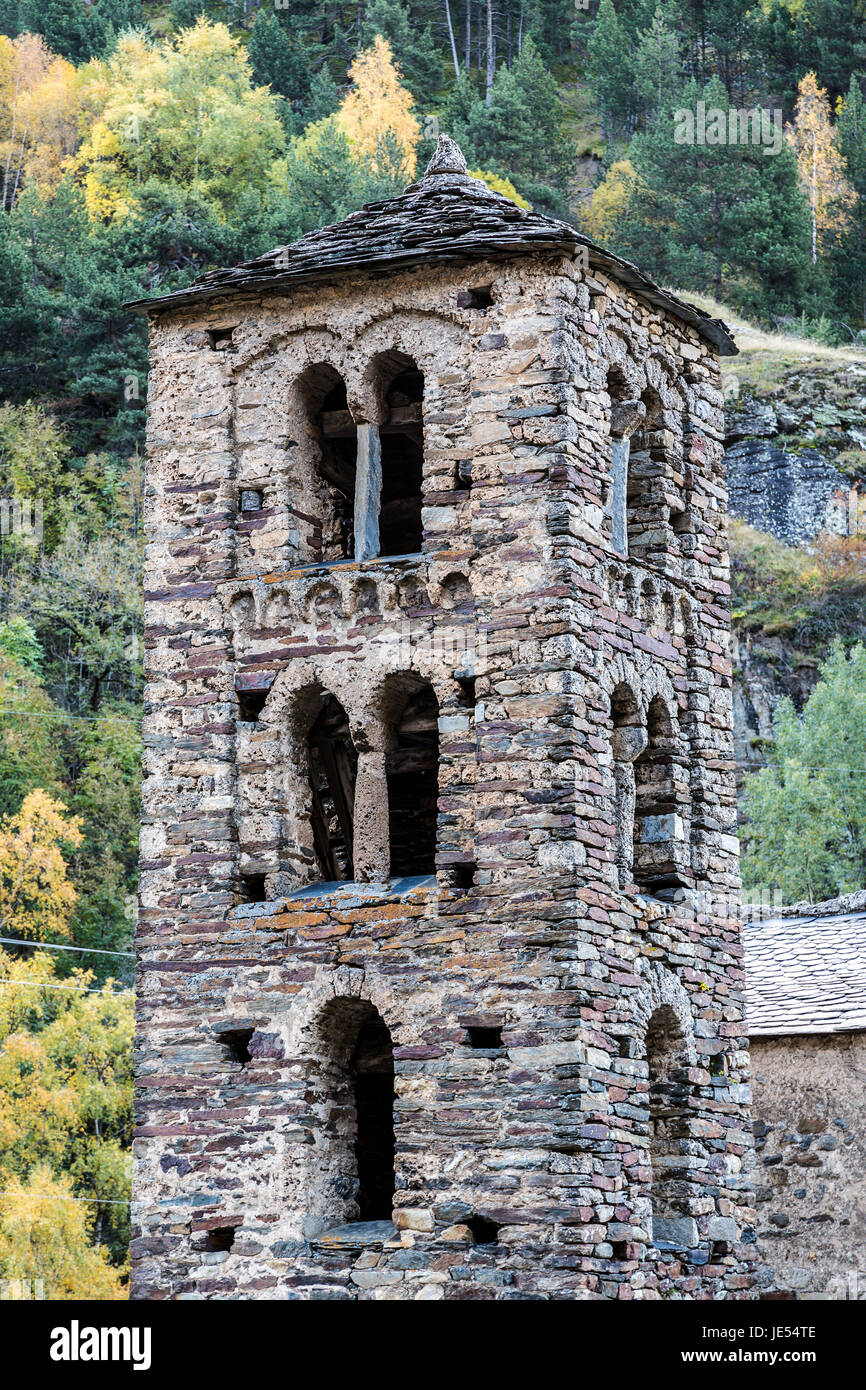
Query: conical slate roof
445, 216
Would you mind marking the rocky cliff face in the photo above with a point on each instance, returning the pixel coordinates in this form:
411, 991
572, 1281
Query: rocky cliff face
796, 460
795, 451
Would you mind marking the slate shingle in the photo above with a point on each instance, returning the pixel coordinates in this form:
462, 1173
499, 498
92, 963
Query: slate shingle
806, 975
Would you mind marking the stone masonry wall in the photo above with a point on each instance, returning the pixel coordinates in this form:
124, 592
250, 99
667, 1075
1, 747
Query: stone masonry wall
530, 923
811, 1152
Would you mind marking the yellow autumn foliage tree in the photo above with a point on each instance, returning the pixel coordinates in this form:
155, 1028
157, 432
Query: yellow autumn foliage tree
39, 113
376, 114
183, 112
498, 184
66, 1086
45, 1236
602, 212
36, 893
815, 141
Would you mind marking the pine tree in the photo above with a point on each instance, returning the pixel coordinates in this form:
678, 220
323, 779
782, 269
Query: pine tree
715, 217
412, 44
278, 61
610, 69
520, 133
849, 259
657, 64
69, 27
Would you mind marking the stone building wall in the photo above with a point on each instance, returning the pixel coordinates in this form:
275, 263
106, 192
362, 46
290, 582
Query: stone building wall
523, 1167
811, 1164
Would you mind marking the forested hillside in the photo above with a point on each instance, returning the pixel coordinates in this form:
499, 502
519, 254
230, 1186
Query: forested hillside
144, 143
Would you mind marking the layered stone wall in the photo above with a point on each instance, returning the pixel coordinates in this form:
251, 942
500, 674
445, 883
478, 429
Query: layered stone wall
524, 1168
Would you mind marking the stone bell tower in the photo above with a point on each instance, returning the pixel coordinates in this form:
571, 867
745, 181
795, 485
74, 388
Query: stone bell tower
440, 991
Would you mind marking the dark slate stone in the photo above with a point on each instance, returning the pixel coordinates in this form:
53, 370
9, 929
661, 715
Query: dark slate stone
355, 1236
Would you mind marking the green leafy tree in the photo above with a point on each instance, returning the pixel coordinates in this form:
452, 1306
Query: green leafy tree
19, 642
34, 734
805, 813
106, 797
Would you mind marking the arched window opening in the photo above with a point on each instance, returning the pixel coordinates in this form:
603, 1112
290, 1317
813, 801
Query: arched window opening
659, 832
333, 765
669, 1089
628, 739
625, 415
412, 769
353, 1164
402, 442
323, 392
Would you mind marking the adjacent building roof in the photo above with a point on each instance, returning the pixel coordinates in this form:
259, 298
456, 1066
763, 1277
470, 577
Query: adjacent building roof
806, 974
445, 216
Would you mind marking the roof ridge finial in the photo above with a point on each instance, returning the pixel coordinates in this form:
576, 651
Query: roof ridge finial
447, 158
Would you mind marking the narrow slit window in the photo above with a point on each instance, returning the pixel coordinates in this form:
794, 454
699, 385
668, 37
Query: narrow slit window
413, 785
402, 444
355, 1106
671, 1187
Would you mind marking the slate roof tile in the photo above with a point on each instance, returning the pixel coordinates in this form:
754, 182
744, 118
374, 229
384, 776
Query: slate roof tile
445, 216
806, 975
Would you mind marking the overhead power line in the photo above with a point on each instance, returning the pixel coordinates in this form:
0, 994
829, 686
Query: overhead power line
56, 1197
61, 946
77, 989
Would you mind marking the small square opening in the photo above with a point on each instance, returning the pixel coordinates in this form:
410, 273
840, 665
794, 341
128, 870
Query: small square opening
462, 876
253, 888
220, 338
481, 297
237, 1042
487, 1038
250, 705
464, 474
620, 1249
484, 1231
221, 1238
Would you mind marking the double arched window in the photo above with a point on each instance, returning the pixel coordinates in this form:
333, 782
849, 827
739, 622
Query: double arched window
369, 473
370, 805
649, 794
